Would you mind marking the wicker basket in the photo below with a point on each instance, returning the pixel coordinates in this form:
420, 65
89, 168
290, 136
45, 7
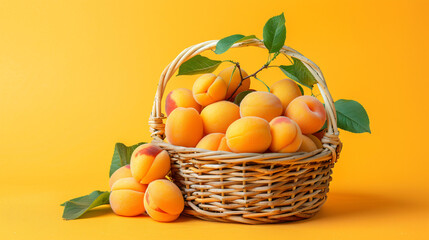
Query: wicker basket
250, 188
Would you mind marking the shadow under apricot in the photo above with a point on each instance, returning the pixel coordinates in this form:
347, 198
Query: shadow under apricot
182, 218
105, 210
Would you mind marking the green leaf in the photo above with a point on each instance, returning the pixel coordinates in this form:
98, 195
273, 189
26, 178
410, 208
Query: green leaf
325, 125
300, 89
247, 38
121, 156
351, 116
241, 95
198, 65
225, 43
299, 73
78, 206
275, 33
74, 199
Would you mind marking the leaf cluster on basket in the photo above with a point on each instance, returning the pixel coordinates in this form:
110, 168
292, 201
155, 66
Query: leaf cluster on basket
221, 113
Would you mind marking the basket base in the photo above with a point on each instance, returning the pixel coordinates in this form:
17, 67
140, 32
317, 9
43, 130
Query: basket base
252, 188
246, 221
279, 218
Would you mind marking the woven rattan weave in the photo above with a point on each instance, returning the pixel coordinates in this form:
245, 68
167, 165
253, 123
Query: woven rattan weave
250, 188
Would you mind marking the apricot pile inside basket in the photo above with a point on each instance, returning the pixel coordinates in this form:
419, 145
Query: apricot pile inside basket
282, 120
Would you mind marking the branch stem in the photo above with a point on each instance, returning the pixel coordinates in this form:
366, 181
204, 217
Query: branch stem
266, 65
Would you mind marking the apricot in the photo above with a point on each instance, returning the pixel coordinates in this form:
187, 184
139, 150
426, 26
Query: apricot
233, 80
315, 140
163, 201
184, 127
214, 142
126, 197
307, 145
180, 97
223, 146
320, 134
287, 136
122, 172
261, 104
286, 90
218, 116
209, 88
249, 134
149, 162
308, 113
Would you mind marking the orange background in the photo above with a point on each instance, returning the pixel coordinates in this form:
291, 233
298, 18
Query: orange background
78, 76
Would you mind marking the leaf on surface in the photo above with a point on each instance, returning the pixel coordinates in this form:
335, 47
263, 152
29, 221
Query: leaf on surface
76, 207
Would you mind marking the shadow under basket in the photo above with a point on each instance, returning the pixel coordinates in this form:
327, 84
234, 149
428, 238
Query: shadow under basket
250, 188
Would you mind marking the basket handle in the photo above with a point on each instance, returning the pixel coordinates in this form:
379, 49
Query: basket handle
156, 125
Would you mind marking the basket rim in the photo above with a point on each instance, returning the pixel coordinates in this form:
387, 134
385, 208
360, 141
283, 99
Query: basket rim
199, 154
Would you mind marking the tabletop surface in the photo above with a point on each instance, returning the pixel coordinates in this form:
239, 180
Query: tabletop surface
348, 214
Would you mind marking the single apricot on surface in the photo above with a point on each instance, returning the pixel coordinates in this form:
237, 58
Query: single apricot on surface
163, 201
126, 197
122, 172
181, 97
307, 145
218, 116
184, 127
149, 162
209, 88
287, 136
261, 104
214, 142
249, 134
315, 140
286, 90
308, 112
232, 81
